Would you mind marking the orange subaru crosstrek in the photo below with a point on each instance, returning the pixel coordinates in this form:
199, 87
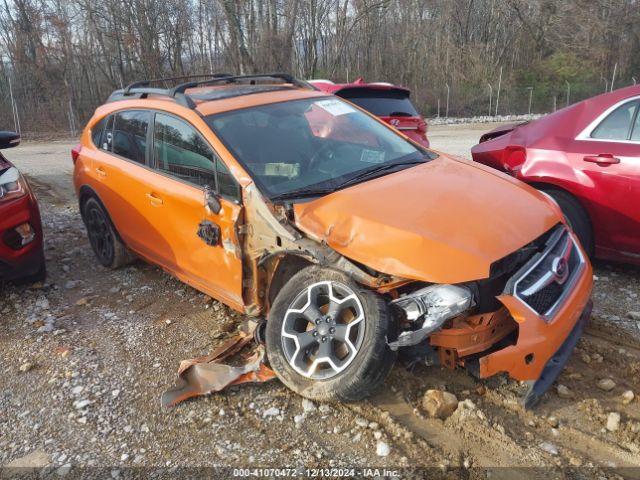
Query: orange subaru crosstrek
351, 240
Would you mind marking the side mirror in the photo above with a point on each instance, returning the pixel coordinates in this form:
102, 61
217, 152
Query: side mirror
9, 139
211, 200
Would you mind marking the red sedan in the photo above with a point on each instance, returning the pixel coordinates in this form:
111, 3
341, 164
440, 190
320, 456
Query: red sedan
587, 157
21, 252
389, 102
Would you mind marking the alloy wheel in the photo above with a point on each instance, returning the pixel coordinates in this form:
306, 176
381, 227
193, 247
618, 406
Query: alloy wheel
323, 330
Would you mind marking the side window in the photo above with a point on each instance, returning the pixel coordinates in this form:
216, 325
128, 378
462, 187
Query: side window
227, 184
617, 125
130, 134
96, 132
181, 151
106, 141
635, 134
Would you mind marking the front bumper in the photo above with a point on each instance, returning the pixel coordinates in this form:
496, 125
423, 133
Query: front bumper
539, 340
28, 260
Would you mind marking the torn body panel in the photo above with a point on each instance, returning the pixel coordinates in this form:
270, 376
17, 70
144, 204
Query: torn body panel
268, 238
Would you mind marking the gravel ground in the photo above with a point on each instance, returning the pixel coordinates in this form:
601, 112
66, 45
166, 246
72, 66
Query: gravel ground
86, 356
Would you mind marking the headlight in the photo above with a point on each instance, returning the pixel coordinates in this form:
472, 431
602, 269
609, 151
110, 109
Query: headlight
434, 304
11, 185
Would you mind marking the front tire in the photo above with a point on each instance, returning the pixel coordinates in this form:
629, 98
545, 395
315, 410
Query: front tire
104, 240
326, 336
576, 217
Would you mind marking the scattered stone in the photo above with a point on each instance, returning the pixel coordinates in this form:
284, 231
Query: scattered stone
298, 419
115, 393
382, 449
613, 421
324, 408
36, 459
25, 367
377, 435
563, 391
550, 448
361, 422
77, 390
576, 462
308, 405
439, 404
553, 421
70, 284
606, 384
63, 470
627, 397
634, 316
271, 412
586, 358
597, 358
80, 404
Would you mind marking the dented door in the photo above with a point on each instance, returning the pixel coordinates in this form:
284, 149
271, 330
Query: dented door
184, 165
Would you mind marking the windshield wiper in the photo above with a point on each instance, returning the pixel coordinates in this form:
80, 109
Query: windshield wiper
305, 192
380, 168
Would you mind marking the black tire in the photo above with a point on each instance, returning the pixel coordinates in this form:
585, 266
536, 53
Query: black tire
104, 240
372, 360
576, 217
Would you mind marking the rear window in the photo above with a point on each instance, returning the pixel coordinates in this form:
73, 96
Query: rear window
383, 103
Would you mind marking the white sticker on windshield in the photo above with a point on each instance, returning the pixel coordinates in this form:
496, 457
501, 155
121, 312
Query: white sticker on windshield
372, 156
335, 107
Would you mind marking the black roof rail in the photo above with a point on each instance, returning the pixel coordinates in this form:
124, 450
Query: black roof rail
285, 77
142, 88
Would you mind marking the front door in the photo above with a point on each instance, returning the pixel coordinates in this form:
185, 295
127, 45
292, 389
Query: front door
184, 165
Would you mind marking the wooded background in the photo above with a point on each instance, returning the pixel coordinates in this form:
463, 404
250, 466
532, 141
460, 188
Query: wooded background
64, 57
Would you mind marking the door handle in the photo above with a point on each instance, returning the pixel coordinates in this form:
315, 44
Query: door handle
154, 199
603, 160
100, 171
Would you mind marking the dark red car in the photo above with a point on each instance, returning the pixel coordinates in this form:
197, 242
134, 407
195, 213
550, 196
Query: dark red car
21, 252
389, 102
587, 157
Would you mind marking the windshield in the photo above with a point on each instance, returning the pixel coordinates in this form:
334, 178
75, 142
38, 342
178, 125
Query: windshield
319, 143
383, 103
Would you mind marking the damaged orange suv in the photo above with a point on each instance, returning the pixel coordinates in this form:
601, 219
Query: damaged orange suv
352, 241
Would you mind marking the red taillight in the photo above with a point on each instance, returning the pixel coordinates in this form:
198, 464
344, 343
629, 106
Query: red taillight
513, 158
75, 153
422, 126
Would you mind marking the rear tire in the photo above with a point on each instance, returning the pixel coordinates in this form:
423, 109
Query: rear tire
104, 239
576, 217
355, 323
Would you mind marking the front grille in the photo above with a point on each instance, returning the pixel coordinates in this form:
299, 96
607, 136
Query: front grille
544, 281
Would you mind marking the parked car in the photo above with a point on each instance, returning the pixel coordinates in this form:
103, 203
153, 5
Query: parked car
587, 157
389, 102
21, 252
352, 241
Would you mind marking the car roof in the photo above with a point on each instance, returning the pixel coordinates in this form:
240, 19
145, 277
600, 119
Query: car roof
359, 83
215, 94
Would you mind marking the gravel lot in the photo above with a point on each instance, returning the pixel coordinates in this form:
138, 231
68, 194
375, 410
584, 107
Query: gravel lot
85, 357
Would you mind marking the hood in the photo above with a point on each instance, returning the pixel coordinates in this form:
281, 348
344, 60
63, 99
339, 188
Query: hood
445, 221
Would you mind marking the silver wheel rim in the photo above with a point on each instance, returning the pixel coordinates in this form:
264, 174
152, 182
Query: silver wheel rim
323, 330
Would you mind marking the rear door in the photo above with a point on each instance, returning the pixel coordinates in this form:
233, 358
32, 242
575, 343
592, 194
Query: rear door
120, 166
184, 165
607, 153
